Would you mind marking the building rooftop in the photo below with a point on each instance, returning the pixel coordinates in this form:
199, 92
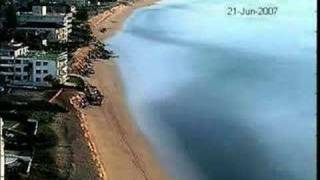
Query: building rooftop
11, 45
32, 16
41, 55
63, 6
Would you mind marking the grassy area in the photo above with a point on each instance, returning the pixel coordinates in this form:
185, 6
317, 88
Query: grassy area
60, 150
78, 81
44, 117
23, 105
44, 165
46, 137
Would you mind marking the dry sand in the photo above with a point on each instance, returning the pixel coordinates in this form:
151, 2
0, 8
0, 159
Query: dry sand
121, 148
113, 21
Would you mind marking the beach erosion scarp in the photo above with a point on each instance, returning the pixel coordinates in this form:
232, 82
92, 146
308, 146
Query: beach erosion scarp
120, 150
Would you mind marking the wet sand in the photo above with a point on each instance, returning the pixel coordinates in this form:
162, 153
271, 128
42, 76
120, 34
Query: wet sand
121, 148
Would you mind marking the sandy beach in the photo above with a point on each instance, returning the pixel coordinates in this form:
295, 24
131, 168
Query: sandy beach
113, 21
121, 148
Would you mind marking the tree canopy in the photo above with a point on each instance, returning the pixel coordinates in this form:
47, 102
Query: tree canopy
82, 14
11, 16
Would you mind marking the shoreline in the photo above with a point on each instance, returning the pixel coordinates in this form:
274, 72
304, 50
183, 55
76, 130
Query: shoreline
120, 149
113, 20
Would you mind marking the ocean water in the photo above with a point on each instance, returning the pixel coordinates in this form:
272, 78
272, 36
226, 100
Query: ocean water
224, 97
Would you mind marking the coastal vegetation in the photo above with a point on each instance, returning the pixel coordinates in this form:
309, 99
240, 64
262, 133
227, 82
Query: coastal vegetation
11, 16
54, 144
8, 13
81, 33
82, 14
2, 2
46, 138
80, 84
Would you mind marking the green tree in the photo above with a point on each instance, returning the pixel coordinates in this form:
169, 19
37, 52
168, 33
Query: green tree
46, 137
11, 16
2, 2
29, 3
53, 81
82, 14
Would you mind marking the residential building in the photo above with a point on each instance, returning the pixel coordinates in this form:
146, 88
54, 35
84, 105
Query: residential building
54, 32
77, 3
53, 18
2, 170
21, 66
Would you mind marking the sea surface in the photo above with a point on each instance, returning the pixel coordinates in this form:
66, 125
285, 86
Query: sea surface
224, 97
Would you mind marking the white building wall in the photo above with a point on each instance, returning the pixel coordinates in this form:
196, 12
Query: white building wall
45, 70
2, 166
19, 67
39, 10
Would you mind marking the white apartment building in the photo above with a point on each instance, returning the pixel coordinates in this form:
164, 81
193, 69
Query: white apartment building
20, 66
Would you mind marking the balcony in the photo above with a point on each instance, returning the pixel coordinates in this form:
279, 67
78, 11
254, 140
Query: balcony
7, 73
6, 65
7, 57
